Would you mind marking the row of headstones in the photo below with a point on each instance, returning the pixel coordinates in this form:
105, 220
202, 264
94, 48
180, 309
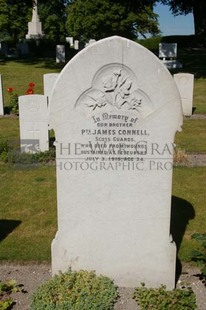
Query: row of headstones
23, 48
76, 44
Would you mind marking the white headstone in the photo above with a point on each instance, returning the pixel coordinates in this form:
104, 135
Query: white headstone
49, 81
167, 50
33, 116
91, 41
60, 53
185, 84
1, 97
70, 40
115, 109
76, 44
168, 54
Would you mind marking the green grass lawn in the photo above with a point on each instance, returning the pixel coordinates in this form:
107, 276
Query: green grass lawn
192, 138
28, 211
199, 96
9, 128
188, 207
19, 73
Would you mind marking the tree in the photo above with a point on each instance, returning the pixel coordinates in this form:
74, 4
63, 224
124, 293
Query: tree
97, 19
196, 7
53, 17
15, 15
14, 18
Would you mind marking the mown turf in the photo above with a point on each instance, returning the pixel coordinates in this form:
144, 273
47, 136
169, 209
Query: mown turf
27, 212
192, 138
188, 211
19, 73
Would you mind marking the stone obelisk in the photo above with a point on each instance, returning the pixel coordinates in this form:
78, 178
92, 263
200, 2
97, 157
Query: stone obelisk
35, 26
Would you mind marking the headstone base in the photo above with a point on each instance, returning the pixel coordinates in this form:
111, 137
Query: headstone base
137, 266
172, 64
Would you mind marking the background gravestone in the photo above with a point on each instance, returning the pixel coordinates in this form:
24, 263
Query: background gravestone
49, 79
60, 53
115, 109
76, 44
185, 85
1, 97
91, 41
33, 118
35, 26
168, 54
70, 40
167, 50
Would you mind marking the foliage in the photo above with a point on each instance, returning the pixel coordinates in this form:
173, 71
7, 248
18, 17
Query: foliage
161, 299
9, 153
5, 290
183, 41
97, 19
53, 17
15, 15
14, 18
45, 157
151, 43
18, 72
198, 9
200, 256
25, 159
4, 149
13, 103
81, 290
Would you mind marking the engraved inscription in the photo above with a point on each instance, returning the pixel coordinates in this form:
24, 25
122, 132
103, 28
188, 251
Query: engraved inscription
33, 106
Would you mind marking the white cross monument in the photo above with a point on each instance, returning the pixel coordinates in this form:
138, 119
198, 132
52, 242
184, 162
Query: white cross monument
35, 26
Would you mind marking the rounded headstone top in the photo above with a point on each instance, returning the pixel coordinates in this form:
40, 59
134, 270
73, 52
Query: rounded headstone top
114, 74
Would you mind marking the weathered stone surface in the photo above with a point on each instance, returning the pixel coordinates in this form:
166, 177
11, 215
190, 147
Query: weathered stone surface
115, 109
33, 117
49, 81
60, 53
185, 85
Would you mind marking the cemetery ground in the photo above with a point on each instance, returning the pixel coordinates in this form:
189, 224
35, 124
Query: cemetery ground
28, 192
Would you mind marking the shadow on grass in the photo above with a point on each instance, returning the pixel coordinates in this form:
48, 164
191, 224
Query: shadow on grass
6, 227
181, 212
41, 62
